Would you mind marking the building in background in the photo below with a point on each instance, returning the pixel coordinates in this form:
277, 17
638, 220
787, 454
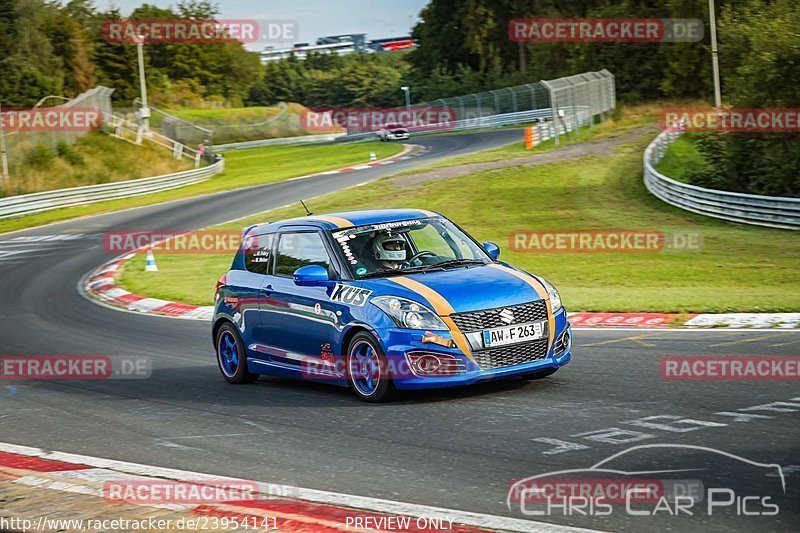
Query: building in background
351, 43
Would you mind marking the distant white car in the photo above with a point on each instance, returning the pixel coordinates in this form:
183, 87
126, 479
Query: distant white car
393, 132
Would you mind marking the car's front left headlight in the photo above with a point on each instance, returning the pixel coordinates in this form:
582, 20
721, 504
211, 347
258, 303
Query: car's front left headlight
555, 298
408, 313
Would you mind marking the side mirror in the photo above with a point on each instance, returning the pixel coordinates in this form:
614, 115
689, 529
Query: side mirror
311, 276
492, 249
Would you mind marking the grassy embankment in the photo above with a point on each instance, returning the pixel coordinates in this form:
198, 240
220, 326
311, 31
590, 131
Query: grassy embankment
740, 268
244, 168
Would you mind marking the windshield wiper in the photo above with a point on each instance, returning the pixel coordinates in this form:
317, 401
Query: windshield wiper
421, 268
442, 266
459, 262
381, 273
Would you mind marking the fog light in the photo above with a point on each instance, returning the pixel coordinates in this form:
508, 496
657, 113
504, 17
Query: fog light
428, 364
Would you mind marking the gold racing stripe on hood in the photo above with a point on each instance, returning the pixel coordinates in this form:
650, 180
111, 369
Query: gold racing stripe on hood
542, 292
441, 307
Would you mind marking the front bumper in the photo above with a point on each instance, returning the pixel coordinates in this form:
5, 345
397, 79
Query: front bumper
399, 342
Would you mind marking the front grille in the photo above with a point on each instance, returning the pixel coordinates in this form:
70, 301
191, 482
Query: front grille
515, 354
491, 318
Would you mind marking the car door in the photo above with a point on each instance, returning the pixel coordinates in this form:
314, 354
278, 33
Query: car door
301, 323
257, 251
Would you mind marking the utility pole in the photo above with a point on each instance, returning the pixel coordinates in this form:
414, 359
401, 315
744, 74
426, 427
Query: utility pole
3, 152
144, 112
714, 54
407, 92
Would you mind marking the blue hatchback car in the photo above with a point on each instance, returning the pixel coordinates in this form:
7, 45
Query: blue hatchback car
381, 301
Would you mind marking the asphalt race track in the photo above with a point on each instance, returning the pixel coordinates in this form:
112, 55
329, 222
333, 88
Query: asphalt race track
458, 449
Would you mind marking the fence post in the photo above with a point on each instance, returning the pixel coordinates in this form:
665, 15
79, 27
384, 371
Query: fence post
3, 153
554, 109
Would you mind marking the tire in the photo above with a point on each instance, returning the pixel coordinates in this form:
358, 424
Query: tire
231, 356
539, 374
368, 369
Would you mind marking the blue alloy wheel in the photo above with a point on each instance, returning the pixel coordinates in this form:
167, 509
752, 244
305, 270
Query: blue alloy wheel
231, 357
367, 369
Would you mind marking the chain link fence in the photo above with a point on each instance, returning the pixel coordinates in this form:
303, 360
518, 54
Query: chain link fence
565, 104
218, 128
23, 143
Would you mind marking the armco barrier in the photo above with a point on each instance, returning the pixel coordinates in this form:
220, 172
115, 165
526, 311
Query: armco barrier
302, 139
772, 211
28, 204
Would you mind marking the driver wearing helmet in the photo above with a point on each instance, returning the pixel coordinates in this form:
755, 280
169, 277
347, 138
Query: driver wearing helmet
390, 250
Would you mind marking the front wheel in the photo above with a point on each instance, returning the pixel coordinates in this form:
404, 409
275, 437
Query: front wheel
231, 356
368, 370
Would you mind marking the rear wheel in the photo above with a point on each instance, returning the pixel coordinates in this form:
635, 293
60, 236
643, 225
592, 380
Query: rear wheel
231, 356
368, 370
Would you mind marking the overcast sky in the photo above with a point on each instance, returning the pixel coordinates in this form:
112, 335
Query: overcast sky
376, 18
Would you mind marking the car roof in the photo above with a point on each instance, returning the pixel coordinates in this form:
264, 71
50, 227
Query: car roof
347, 219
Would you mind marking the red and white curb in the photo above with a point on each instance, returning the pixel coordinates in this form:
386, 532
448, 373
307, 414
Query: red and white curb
409, 151
289, 508
695, 321
102, 285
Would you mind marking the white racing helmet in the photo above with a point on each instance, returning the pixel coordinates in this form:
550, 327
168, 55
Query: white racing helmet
380, 251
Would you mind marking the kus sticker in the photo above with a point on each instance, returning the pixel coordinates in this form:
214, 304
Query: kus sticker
350, 295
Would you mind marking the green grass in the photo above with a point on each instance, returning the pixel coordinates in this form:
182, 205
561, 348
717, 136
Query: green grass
245, 168
248, 123
94, 158
740, 268
630, 117
682, 158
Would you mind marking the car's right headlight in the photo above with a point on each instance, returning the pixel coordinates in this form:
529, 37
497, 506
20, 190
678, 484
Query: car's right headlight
408, 313
555, 298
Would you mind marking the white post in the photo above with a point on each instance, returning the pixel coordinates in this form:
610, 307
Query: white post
554, 109
407, 91
3, 152
714, 55
145, 110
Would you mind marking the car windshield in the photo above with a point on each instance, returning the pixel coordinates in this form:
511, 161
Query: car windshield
408, 246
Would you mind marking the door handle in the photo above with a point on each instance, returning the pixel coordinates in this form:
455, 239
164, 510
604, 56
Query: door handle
267, 290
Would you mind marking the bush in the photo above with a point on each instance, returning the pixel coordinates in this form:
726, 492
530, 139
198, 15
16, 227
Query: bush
40, 157
69, 154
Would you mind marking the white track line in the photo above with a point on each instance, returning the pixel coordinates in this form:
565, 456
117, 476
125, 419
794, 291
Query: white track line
333, 498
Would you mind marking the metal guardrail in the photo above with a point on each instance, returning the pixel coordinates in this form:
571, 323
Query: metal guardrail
301, 139
771, 211
543, 118
28, 204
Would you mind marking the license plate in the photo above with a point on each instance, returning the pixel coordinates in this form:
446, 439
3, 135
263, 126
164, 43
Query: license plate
513, 334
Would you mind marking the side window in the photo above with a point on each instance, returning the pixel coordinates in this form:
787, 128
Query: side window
258, 253
297, 250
